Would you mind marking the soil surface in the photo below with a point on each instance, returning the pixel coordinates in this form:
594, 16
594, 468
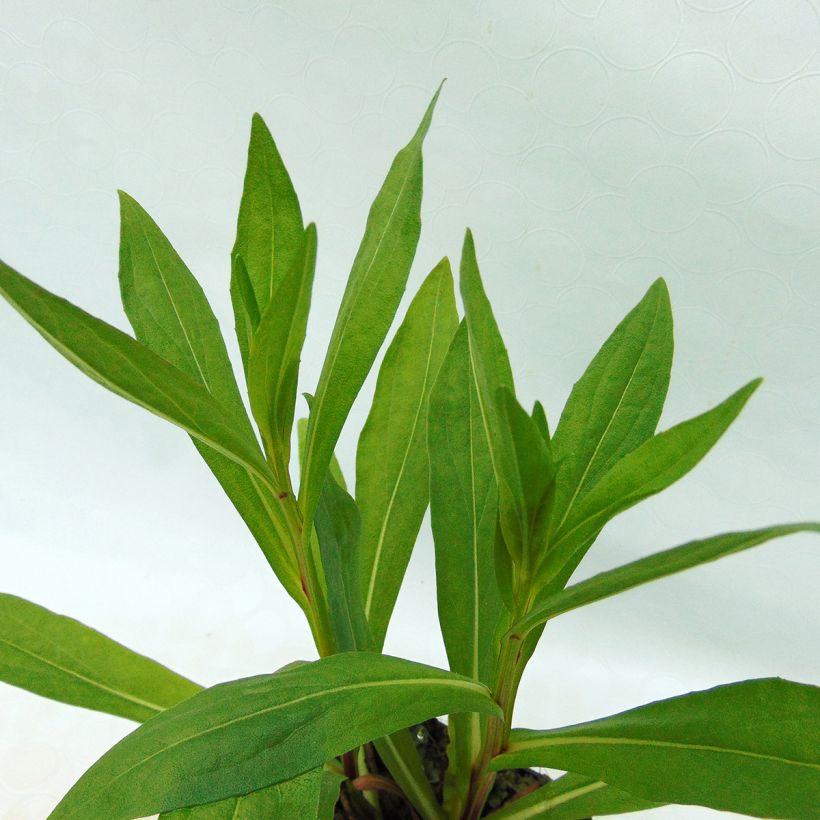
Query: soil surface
431, 740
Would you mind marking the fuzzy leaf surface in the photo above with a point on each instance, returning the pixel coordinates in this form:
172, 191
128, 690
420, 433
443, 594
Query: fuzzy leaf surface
748, 747
374, 289
242, 736
392, 466
62, 659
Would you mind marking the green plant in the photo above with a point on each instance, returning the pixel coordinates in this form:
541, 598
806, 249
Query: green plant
514, 509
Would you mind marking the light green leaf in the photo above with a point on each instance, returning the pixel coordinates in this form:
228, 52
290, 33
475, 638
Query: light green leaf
748, 747
273, 359
650, 468
659, 565
62, 659
392, 467
338, 530
248, 734
374, 289
171, 315
300, 797
269, 233
573, 797
131, 370
463, 504
615, 406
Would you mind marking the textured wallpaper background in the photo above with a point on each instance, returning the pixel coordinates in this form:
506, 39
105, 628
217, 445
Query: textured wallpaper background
592, 145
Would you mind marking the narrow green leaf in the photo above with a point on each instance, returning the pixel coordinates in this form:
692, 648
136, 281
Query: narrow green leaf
273, 358
615, 406
573, 797
248, 734
748, 747
392, 466
268, 234
540, 419
171, 316
62, 659
463, 504
650, 468
659, 565
335, 467
374, 289
338, 529
300, 797
398, 752
128, 368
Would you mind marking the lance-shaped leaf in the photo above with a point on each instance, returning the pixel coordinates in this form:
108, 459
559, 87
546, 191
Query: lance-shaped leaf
748, 747
273, 360
374, 289
248, 734
392, 466
128, 368
171, 315
491, 365
650, 468
526, 466
571, 797
309, 795
615, 406
659, 565
269, 233
62, 659
338, 529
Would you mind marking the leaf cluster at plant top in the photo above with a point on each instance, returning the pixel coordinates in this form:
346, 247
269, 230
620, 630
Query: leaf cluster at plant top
514, 509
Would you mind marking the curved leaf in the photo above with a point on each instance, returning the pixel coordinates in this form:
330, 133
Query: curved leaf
62, 659
572, 797
659, 565
748, 747
374, 289
245, 735
392, 467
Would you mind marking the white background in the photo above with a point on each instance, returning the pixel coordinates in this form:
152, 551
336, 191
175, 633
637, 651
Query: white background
592, 146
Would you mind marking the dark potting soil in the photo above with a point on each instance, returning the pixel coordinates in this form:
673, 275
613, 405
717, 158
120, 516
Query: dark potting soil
431, 741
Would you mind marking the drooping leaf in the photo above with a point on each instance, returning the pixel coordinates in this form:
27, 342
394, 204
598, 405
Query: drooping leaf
171, 315
392, 467
338, 529
248, 734
374, 289
302, 796
62, 659
615, 406
748, 747
273, 358
573, 797
268, 235
130, 369
463, 504
659, 565
650, 468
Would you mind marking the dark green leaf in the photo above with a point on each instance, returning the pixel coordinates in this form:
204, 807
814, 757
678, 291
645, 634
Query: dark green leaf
392, 467
463, 503
748, 747
171, 315
62, 659
540, 419
300, 797
273, 358
615, 406
650, 468
131, 370
573, 797
655, 566
268, 235
338, 530
374, 289
248, 734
